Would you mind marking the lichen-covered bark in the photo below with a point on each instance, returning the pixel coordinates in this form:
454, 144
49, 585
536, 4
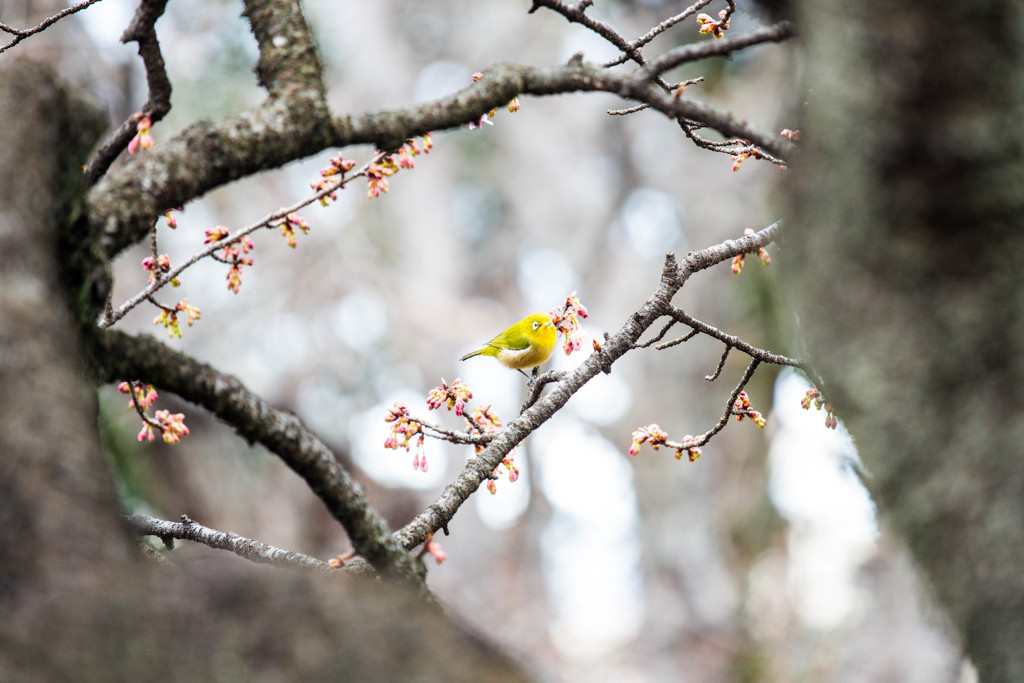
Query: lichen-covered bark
909, 217
58, 507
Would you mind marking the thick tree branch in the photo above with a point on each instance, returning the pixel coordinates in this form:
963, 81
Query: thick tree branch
291, 124
120, 355
502, 82
207, 155
288, 61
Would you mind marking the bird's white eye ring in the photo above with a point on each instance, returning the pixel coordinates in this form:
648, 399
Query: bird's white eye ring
536, 324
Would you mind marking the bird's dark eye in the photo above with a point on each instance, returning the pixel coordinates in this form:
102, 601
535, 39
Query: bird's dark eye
536, 324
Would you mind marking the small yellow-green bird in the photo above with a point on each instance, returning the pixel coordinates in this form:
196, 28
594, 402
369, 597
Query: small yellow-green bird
526, 344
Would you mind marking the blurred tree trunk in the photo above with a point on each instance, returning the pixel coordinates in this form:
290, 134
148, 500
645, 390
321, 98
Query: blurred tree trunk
77, 601
905, 249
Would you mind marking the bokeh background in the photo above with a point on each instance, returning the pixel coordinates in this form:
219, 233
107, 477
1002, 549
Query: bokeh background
762, 561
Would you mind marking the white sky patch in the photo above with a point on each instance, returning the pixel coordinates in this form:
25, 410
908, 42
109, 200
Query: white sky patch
105, 22
590, 551
440, 78
650, 222
832, 521
594, 47
604, 399
501, 510
545, 278
360, 320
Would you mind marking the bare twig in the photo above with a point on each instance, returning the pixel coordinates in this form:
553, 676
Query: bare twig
658, 30
142, 30
22, 34
732, 341
710, 48
656, 338
747, 374
538, 386
248, 548
676, 342
721, 364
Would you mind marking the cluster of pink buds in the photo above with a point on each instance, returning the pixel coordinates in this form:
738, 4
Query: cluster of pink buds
215, 234
158, 267
741, 409
657, 437
791, 135
171, 427
692, 452
144, 394
172, 222
455, 395
509, 464
232, 255
748, 153
814, 396
377, 175
328, 184
485, 421
433, 548
142, 140
403, 430
169, 317
762, 253
567, 322
291, 221
652, 434
715, 28
378, 172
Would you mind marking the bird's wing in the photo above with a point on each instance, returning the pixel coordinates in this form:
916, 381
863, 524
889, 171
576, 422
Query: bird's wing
512, 340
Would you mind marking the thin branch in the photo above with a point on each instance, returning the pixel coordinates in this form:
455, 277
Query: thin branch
658, 30
254, 551
725, 46
747, 374
538, 386
142, 30
721, 364
703, 439
22, 34
658, 337
676, 342
577, 14
112, 316
453, 436
732, 341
